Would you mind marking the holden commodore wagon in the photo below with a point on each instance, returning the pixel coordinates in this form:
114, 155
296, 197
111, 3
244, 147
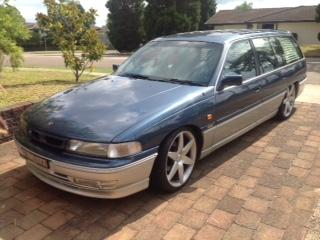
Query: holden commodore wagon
173, 102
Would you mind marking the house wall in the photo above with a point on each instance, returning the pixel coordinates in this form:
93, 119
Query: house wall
307, 32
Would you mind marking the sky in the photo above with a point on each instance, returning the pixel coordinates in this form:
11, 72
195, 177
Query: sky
29, 8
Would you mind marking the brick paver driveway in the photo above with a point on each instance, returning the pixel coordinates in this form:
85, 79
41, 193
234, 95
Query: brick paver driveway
264, 185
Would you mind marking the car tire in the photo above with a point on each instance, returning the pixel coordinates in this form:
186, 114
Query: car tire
287, 105
176, 160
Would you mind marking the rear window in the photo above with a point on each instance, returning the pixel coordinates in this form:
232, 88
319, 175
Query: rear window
278, 51
290, 48
267, 58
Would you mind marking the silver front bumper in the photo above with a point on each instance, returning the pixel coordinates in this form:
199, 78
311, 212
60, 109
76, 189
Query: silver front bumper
94, 182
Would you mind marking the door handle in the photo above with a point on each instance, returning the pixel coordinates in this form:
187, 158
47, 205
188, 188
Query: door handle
258, 89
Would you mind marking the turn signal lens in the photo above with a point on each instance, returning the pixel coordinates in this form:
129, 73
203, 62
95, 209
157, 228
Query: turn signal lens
124, 149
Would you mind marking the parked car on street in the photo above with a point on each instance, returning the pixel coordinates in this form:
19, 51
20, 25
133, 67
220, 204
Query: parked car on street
173, 102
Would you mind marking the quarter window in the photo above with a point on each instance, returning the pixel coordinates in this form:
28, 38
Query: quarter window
265, 53
240, 60
290, 48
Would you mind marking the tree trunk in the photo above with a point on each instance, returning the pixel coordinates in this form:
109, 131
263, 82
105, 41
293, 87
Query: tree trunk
77, 75
1, 61
1, 68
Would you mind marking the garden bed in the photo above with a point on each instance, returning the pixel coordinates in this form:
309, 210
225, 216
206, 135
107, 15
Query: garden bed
311, 50
29, 85
9, 120
20, 89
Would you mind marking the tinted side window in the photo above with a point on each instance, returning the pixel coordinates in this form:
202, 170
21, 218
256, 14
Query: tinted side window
290, 48
265, 53
240, 60
278, 51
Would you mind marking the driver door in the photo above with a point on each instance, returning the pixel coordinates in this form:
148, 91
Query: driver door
236, 106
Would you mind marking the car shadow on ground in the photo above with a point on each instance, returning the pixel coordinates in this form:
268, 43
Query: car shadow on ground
141, 208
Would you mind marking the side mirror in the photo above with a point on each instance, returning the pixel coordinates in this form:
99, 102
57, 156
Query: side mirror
231, 80
115, 67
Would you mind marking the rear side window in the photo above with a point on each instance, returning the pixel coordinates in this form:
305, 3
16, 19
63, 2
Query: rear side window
240, 60
290, 48
267, 58
275, 43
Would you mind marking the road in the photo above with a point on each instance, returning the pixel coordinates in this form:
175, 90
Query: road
56, 61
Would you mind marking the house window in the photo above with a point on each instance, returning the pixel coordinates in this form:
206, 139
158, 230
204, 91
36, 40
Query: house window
249, 26
267, 26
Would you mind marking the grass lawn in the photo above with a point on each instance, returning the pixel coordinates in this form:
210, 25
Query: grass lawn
94, 69
23, 85
311, 50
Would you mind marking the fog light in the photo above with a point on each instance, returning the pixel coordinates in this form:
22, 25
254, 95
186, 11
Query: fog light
108, 184
86, 182
96, 184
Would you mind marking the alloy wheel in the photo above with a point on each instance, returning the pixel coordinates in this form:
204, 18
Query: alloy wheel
181, 158
289, 101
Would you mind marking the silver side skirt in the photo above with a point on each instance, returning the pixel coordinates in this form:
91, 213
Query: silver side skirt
225, 132
207, 151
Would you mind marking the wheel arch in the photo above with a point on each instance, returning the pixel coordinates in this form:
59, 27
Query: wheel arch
194, 129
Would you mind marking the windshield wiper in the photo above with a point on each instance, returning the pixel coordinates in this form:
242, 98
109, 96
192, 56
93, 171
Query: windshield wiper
151, 78
186, 82
134, 75
168, 80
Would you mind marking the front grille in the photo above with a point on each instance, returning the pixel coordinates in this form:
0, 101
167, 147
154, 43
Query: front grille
47, 140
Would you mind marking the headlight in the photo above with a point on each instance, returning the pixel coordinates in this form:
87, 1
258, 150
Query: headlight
87, 148
104, 150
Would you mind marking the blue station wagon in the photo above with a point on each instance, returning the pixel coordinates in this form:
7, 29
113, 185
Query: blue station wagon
173, 102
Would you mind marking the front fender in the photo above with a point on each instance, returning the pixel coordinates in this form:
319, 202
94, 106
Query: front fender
153, 134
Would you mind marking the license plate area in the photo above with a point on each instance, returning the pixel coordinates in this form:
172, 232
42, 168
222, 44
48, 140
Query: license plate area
34, 158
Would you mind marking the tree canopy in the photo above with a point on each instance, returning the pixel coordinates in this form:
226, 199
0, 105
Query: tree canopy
165, 17
318, 13
318, 17
132, 22
13, 29
208, 8
244, 6
125, 28
73, 30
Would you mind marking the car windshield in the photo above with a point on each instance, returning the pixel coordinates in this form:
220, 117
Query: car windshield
180, 62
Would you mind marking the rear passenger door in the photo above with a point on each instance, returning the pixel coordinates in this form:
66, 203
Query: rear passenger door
276, 56
235, 105
293, 69
273, 83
